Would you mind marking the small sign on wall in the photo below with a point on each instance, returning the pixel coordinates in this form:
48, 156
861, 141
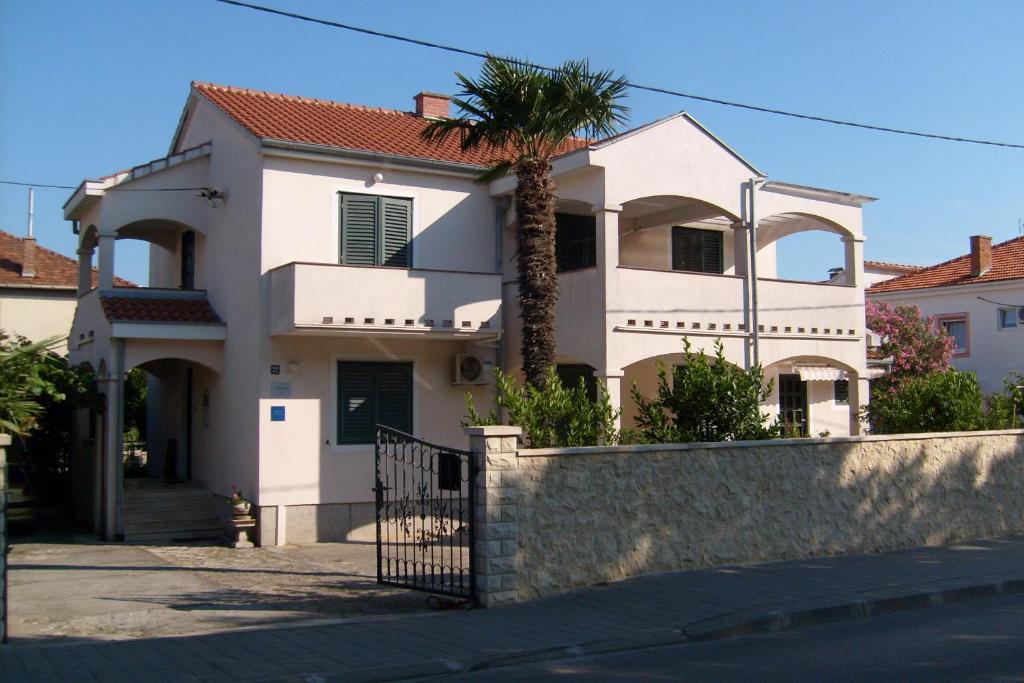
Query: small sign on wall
280, 390
275, 369
277, 413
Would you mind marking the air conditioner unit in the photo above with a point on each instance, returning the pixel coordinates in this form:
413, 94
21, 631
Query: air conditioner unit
470, 369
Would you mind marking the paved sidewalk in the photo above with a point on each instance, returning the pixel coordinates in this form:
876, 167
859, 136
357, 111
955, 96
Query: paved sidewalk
641, 612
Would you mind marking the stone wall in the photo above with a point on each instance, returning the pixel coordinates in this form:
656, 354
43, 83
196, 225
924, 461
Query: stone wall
587, 515
5, 440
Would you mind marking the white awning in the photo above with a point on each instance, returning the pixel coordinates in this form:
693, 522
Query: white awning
820, 374
875, 373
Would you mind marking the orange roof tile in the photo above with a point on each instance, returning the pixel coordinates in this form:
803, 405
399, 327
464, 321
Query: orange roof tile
346, 126
894, 267
53, 270
157, 309
1007, 264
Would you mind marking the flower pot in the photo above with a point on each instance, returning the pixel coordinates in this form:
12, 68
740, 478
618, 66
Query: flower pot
241, 509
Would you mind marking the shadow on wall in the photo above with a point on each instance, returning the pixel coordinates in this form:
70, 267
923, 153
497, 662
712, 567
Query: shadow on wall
584, 519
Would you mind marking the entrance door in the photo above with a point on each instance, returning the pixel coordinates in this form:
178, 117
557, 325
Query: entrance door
793, 403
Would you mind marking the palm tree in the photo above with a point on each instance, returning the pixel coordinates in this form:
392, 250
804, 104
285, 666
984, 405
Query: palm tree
526, 115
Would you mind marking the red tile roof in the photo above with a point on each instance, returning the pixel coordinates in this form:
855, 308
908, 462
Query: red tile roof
157, 309
1007, 264
53, 270
335, 124
893, 267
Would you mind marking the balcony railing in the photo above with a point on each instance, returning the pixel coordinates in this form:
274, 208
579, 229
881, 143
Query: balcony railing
315, 298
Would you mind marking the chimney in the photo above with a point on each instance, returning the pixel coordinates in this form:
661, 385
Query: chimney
431, 105
981, 254
28, 245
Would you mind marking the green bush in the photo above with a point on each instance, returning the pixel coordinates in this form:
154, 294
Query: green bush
1000, 412
707, 400
553, 416
947, 401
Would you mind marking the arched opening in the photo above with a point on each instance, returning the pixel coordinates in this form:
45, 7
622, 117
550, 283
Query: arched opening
812, 395
801, 247
677, 233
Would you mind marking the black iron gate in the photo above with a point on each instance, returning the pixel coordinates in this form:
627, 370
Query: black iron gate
424, 515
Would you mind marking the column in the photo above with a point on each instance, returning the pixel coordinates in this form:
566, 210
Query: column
496, 513
84, 271
607, 237
859, 398
107, 261
613, 383
854, 250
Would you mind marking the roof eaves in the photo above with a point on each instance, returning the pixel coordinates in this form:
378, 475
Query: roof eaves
819, 192
369, 155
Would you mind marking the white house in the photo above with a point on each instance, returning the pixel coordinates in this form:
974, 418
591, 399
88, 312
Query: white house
332, 270
978, 298
874, 272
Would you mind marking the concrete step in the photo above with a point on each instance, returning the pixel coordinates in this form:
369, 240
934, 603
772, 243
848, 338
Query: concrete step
177, 512
172, 525
137, 507
176, 535
169, 516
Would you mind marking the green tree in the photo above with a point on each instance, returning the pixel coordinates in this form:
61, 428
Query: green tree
524, 115
1005, 409
708, 399
552, 415
27, 372
947, 401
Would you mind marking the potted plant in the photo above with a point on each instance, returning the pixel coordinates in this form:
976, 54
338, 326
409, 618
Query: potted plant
239, 505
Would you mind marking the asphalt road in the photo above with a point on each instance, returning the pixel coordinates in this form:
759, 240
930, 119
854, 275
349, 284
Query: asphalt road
970, 641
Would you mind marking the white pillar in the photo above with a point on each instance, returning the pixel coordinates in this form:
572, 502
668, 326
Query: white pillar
854, 251
859, 397
106, 261
613, 383
84, 271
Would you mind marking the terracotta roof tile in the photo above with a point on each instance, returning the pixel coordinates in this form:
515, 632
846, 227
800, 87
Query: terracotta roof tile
335, 124
1007, 264
53, 270
157, 309
894, 267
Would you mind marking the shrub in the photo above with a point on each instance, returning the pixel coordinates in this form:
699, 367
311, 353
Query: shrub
1000, 412
553, 415
917, 346
947, 401
708, 400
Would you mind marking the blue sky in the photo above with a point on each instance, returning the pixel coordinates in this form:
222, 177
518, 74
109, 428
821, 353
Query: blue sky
87, 88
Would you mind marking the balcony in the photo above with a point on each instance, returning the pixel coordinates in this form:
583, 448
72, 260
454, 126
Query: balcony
343, 300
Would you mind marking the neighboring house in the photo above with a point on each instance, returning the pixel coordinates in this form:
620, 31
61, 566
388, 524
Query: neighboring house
38, 290
978, 298
874, 272
337, 271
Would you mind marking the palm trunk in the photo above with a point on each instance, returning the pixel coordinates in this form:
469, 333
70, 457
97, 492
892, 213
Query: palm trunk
538, 283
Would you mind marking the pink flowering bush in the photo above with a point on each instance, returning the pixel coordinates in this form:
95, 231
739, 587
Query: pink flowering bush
917, 345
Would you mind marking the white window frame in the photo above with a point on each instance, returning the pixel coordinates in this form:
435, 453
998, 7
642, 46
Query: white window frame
1012, 313
940, 320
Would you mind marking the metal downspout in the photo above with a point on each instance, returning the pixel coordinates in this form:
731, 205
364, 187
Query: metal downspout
755, 327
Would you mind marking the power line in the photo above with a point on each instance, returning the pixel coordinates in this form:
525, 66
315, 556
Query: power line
107, 189
636, 86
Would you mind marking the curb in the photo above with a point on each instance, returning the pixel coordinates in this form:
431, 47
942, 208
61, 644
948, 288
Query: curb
773, 622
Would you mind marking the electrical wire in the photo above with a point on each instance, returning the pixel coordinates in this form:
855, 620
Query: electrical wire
636, 86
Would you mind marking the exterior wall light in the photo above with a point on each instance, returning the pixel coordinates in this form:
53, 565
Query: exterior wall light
378, 176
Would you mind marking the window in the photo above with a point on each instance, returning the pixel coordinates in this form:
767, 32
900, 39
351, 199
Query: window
956, 327
697, 250
841, 392
375, 231
370, 394
575, 242
1008, 317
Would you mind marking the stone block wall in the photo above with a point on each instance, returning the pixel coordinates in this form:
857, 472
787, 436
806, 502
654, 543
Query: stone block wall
587, 515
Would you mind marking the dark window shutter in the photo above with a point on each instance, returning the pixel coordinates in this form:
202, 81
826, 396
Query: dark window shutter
355, 402
395, 234
394, 396
575, 242
188, 260
572, 374
359, 229
699, 251
370, 394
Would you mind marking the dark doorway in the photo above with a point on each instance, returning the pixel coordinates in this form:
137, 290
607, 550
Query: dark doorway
188, 260
188, 422
793, 404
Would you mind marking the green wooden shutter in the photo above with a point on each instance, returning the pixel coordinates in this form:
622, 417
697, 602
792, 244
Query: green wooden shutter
394, 396
359, 217
712, 248
396, 231
575, 242
356, 402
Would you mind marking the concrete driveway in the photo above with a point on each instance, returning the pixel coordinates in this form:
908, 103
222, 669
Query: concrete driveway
79, 588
